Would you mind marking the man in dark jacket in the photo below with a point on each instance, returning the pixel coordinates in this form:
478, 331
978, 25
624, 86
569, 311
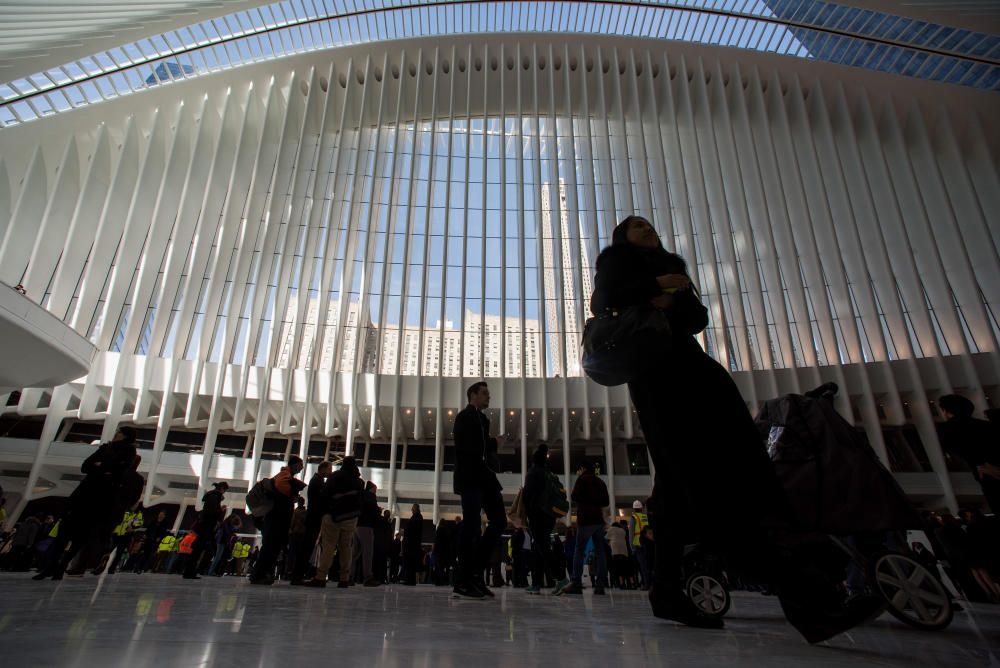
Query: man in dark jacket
477, 485
590, 495
367, 522
413, 551
540, 521
342, 502
212, 512
314, 520
90, 515
975, 441
274, 536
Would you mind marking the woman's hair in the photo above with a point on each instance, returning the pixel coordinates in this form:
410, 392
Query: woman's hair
957, 405
619, 236
541, 454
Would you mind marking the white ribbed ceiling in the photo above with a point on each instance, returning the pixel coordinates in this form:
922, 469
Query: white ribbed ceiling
40, 34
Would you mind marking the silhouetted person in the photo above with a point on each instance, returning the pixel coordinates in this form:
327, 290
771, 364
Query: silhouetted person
155, 531
541, 521
90, 515
590, 495
976, 441
413, 551
314, 520
367, 522
475, 481
277, 521
383, 545
712, 469
212, 512
395, 557
342, 503
225, 536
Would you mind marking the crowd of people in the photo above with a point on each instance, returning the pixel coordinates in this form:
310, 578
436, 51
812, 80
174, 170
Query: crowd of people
714, 485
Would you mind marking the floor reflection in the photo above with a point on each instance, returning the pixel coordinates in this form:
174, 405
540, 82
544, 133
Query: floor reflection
167, 621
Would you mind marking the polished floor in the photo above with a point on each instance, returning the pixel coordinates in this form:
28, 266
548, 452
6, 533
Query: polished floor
158, 620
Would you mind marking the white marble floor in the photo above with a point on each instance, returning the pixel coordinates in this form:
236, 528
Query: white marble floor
158, 620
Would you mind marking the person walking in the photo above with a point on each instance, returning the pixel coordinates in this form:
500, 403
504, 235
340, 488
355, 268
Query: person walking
342, 499
212, 512
413, 551
712, 470
224, 537
314, 521
278, 521
91, 511
590, 495
367, 523
476, 483
541, 521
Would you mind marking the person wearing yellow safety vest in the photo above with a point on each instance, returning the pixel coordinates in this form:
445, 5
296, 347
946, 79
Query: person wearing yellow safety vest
164, 551
638, 522
241, 551
123, 534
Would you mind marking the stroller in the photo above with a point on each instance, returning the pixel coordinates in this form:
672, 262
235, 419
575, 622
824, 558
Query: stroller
837, 486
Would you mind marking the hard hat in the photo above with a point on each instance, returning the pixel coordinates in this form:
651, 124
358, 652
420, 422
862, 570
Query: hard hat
637, 505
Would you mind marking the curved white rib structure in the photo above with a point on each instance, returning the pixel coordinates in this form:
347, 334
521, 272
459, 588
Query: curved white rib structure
334, 244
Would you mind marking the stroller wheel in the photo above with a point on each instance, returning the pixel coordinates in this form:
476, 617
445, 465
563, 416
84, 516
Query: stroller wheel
914, 595
708, 594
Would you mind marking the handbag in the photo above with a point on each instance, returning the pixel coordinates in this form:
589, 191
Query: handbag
617, 343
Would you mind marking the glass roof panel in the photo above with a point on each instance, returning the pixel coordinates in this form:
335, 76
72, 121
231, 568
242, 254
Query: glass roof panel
800, 28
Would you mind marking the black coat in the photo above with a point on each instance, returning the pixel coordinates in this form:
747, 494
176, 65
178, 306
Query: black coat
413, 534
590, 495
129, 492
713, 476
211, 510
105, 470
314, 501
975, 441
342, 494
474, 451
534, 488
626, 276
370, 512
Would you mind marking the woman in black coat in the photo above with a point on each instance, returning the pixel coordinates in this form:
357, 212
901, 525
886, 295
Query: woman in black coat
92, 505
713, 475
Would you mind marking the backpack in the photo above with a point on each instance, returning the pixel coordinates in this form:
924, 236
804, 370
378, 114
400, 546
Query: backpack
518, 512
554, 501
260, 498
